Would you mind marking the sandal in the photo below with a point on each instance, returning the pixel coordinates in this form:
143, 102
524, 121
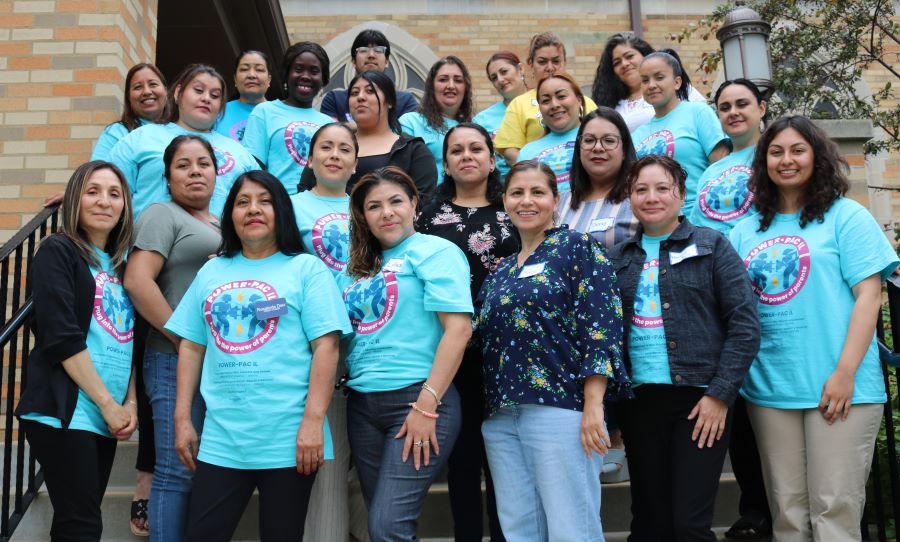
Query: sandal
615, 468
139, 512
751, 526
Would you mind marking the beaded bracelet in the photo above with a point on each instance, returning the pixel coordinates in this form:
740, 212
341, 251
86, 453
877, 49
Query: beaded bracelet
430, 390
425, 413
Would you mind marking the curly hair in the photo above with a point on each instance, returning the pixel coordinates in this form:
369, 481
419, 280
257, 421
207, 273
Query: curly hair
827, 184
431, 110
446, 191
608, 89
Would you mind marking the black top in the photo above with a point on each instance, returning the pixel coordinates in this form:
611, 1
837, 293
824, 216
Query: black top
367, 164
484, 234
63, 292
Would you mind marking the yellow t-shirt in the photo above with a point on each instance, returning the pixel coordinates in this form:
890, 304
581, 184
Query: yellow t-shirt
522, 121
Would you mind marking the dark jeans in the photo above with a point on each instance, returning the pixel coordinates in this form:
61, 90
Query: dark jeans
746, 465
673, 482
220, 496
395, 491
76, 467
468, 460
146, 456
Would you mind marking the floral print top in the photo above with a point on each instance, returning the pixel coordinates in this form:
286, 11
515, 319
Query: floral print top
484, 234
551, 323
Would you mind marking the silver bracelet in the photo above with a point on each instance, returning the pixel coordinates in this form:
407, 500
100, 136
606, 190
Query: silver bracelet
430, 390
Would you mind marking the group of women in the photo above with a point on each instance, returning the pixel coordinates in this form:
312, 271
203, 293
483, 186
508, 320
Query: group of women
492, 296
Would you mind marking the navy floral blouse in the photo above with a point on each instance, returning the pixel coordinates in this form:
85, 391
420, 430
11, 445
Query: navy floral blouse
551, 323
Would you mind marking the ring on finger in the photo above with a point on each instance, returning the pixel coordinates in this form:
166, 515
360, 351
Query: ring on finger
418, 443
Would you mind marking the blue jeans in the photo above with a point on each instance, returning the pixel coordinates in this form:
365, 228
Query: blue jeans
546, 487
395, 491
172, 481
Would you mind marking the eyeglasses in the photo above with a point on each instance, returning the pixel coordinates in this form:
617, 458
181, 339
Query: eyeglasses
379, 49
608, 142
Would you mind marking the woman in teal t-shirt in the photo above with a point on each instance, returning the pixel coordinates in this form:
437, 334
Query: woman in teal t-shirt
687, 131
252, 77
446, 103
144, 102
815, 392
80, 395
262, 322
562, 106
505, 72
408, 298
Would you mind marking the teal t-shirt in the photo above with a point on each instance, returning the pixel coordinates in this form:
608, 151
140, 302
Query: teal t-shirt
688, 133
279, 136
109, 340
723, 198
234, 120
803, 277
256, 371
555, 150
490, 120
108, 139
414, 124
647, 336
140, 157
394, 313
324, 224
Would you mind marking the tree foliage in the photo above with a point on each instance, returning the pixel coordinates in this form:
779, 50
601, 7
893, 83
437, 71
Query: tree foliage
820, 50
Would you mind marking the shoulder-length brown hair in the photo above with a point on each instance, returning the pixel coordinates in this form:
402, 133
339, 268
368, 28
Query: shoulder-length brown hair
122, 235
130, 119
365, 250
431, 110
829, 176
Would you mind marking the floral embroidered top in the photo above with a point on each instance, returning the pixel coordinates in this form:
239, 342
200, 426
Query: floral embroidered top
484, 234
551, 323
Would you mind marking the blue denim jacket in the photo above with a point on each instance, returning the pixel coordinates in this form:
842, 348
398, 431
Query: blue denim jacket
708, 308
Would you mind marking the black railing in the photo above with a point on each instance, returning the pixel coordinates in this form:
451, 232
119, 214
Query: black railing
884, 496
15, 346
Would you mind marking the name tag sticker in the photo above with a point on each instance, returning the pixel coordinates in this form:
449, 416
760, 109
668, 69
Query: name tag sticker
270, 309
678, 257
532, 270
394, 265
601, 224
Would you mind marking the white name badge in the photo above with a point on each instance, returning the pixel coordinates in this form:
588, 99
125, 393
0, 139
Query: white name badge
601, 224
532, 270
677, 257
394, 265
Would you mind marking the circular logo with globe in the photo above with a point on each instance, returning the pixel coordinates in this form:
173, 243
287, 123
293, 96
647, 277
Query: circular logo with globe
778, 268
230, 312
371, 302
727, 197
297, 137
224, 160
559, 158
647, 312
331, 239
112, 308
661, 142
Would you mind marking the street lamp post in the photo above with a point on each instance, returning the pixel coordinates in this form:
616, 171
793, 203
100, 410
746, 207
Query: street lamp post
745, 49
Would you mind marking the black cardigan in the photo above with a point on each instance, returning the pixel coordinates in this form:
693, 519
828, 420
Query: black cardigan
63, 289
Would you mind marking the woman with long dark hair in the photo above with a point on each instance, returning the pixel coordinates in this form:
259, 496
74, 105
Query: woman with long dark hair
815, 391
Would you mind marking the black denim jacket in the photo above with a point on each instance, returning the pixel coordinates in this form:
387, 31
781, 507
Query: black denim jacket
708, 308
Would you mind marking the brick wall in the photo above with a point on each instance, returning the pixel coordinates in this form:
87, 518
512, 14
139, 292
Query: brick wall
62, 71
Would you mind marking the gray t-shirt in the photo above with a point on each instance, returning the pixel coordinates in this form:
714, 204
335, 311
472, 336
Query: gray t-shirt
185, 242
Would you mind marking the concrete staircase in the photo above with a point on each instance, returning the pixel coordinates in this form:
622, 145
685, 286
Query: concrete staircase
436, 524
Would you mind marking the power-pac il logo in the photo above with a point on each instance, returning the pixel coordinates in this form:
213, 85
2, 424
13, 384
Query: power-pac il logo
727, 197
559, 158
371, 302
236, 132
231, 314
331, 239
778, 268
661, 142
647, 312
224, 160
297, 137
112, 308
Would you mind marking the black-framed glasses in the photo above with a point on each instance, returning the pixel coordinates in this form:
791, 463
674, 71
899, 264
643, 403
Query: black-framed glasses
608, 142
379, 49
